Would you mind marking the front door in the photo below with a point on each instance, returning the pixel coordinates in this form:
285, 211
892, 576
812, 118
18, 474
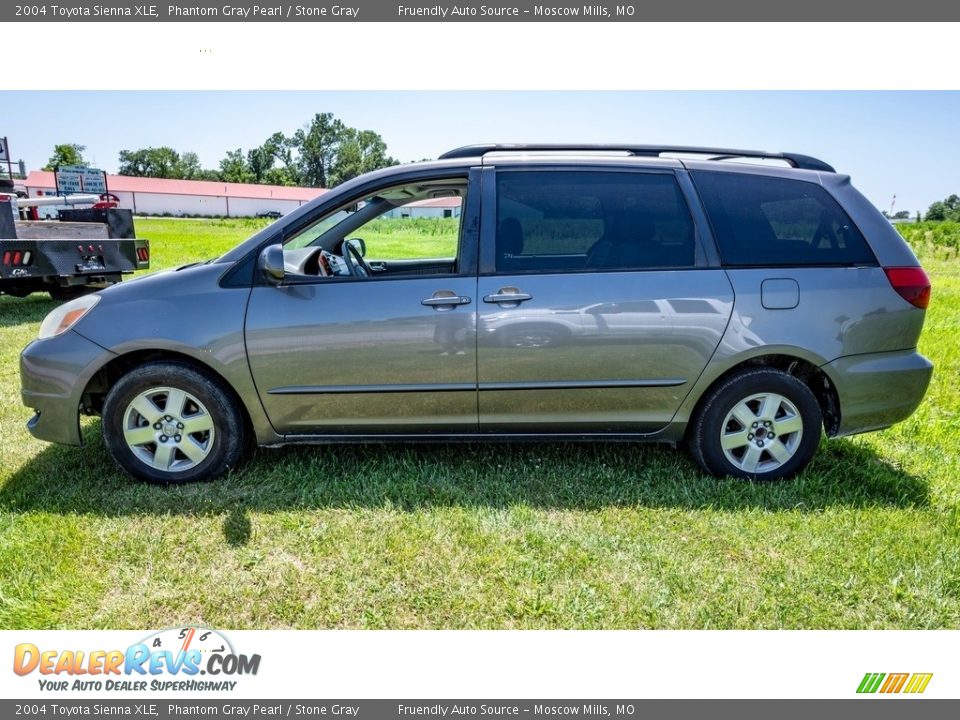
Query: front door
392, 351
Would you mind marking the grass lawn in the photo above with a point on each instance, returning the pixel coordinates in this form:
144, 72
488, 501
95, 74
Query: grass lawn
472, 536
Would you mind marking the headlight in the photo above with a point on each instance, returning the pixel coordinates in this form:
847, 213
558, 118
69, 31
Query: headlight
67, 315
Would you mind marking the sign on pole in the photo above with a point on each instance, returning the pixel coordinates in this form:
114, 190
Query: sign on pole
73, 179
68, 180
4, 150
93, 181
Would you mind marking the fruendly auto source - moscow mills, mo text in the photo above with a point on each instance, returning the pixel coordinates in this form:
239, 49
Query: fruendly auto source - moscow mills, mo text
285, 11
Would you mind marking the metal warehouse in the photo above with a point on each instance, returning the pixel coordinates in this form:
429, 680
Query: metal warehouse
157, 196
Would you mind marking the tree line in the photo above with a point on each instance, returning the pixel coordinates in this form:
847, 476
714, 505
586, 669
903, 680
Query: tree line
323, 153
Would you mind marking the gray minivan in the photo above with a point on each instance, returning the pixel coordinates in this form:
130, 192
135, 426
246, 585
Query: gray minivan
739, 301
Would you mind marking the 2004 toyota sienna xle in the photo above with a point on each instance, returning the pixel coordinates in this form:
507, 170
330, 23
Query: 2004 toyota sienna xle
736, 300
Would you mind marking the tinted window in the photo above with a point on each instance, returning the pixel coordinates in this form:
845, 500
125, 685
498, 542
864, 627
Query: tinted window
567, 221
765, 221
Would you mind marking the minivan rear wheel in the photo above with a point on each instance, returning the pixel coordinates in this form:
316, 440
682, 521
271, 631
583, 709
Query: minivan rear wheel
167, 422
759, 423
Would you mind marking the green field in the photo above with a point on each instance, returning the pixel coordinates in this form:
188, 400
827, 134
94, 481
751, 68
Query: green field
472, 536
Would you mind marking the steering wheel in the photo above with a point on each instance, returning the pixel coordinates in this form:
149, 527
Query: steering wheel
354, 260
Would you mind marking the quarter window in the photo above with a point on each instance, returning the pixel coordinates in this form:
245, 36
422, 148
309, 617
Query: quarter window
768, 221
574, 221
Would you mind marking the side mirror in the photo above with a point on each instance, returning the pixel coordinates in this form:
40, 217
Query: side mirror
270, 264
360, 244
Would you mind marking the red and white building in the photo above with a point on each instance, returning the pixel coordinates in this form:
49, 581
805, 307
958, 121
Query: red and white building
434, 207
179, 198
156, 196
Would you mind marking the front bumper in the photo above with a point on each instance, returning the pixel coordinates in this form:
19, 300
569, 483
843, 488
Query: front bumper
877, 390
53, 375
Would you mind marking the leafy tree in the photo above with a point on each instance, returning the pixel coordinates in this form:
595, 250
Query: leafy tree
323, 153
936, 211
234, 168
948, 209
317, 145
189, 167
263, 160
163, 162
360, 151
901, 215
329, 152
66, 154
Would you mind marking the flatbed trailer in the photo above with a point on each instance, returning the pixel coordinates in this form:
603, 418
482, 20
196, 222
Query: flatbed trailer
82, 251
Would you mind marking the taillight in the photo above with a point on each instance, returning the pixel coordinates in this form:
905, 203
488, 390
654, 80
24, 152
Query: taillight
911, 283
143, 254
17, 258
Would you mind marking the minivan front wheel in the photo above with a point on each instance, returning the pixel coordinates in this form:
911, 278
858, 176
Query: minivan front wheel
760, 423
166, 422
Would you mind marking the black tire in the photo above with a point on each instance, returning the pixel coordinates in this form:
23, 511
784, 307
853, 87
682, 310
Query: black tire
224, 446
704, 439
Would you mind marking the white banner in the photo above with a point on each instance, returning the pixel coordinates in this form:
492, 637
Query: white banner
477, 664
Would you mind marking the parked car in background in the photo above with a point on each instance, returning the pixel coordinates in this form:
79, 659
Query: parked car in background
585, 293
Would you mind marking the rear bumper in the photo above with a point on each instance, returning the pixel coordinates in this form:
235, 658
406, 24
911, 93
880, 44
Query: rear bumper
53, 375
877, 390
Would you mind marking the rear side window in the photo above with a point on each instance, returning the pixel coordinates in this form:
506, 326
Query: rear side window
580, 221
770, 221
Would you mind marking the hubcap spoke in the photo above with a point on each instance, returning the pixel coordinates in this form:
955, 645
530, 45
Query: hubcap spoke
147, 408
743, 415
779, 451
176, 401
751, 458
192, 450
140, 435
197, 423
769, 406
163, 457
787, 425
731, 441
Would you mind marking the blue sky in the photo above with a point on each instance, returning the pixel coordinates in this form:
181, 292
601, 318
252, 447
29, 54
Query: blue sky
903, 143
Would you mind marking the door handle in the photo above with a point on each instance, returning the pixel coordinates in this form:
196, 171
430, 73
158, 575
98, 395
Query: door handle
510, 296
445, 300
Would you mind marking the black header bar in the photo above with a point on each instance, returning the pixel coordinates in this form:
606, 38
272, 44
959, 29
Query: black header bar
494, 11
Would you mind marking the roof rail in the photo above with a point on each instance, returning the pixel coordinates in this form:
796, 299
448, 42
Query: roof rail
804, 162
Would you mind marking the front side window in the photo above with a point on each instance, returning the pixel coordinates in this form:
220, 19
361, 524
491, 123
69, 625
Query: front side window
768, 221
405, 229
561, 221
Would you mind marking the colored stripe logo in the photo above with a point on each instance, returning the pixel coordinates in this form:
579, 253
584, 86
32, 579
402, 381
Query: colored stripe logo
913, 683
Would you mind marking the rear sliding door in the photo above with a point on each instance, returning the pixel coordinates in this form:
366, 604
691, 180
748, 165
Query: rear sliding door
594, 314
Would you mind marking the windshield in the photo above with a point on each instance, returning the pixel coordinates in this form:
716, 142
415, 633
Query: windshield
311, 234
